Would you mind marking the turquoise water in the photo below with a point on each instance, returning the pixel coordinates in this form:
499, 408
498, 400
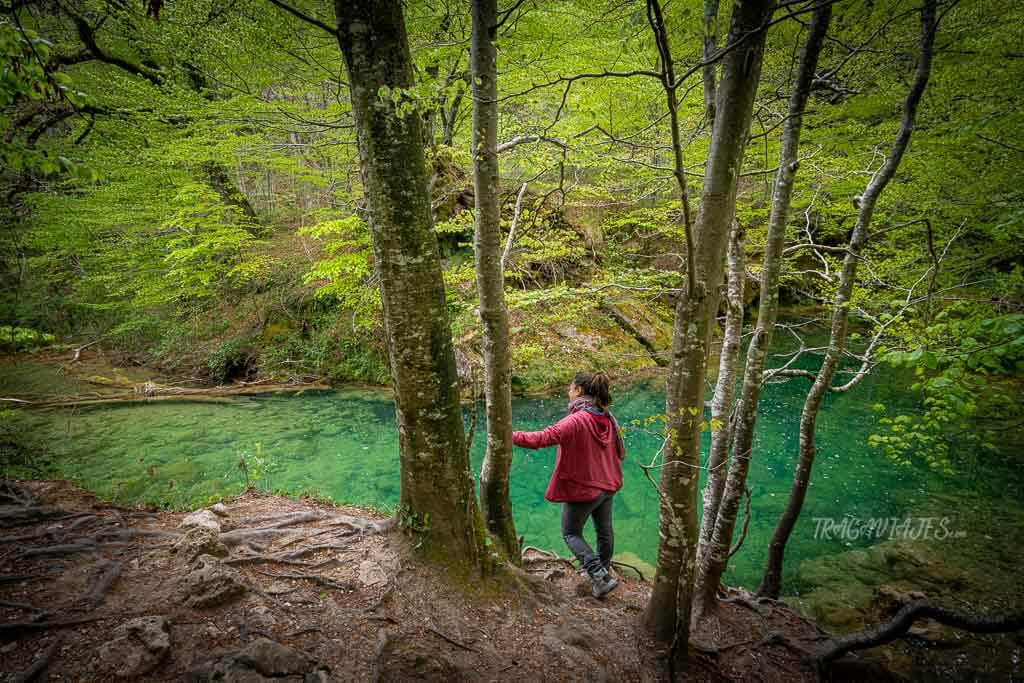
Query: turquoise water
343, 445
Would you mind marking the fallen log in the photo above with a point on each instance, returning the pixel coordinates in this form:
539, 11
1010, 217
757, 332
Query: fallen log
149, 392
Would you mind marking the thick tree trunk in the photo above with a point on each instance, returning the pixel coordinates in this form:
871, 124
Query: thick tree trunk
715, 555
668, 614
494, 498
725, 389
436, 498
771, 582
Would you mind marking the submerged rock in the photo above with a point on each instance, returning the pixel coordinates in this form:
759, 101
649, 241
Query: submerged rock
210, 583
138, 647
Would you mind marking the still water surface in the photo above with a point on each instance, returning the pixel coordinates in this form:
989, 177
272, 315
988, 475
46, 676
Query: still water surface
343, 445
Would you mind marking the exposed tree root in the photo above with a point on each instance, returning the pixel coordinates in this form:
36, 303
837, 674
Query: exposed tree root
244, 536
40, 614
40, 665
88, 545
267, 559
451, 640
276, 527
629, 566
309, 550
21, 578
19, 515
101, 580
904, 619
548, 557
17, 629
279, 521
315, 578
13, 493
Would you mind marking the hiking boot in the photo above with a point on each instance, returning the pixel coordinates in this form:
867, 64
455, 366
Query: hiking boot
602, 584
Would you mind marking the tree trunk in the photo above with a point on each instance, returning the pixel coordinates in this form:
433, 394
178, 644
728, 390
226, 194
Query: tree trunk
221, 181
436, 498
715, 556
710, 47
668, 614
725, 389
771, 582
494, 498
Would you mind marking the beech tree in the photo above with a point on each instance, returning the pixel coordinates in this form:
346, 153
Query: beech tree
723, 493
494, 496
437, 498
771, 582
668, 613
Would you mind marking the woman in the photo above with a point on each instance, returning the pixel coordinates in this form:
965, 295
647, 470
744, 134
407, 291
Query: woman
588, 472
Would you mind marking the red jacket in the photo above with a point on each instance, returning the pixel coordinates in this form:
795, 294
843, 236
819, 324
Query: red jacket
589, 457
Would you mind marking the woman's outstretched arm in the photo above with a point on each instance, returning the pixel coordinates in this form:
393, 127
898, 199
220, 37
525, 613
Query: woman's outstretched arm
550, 436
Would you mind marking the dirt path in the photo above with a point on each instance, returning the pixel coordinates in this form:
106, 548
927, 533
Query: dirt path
264, 587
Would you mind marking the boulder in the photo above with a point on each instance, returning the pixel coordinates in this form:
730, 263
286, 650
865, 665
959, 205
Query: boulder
198, 541
259, 661
261, 617
371, 573
219, 509
399, 661
209, 583
201, 519
574, 633
137, 648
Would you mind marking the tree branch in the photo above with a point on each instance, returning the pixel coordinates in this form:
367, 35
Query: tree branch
304, 17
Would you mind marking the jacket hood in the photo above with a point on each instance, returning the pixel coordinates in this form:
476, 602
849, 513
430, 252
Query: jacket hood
600, 423
600, 427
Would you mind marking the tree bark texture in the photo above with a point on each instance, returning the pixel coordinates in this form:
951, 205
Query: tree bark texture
437, 498
668, 613
710, 47
718, 539
725, 388
771, 582
494, 497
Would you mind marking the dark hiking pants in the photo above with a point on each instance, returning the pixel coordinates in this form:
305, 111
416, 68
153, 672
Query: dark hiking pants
574, 517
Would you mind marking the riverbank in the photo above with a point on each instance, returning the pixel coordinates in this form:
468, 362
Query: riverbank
263, 587
340, 446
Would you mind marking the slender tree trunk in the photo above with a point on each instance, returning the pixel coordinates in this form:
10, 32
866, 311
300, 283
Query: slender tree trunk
668, 614
730, 339
436, 499
221, 181
710, 47
494, 498
715, 555
771, 582
725, 389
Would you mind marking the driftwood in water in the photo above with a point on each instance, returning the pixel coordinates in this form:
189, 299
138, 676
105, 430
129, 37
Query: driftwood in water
149, 391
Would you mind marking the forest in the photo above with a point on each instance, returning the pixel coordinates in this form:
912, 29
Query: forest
286, 250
